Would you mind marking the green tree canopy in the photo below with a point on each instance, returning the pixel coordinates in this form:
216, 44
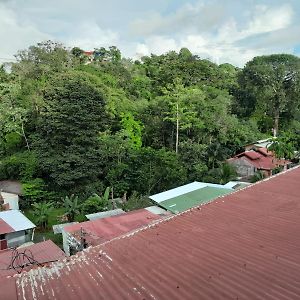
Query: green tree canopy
67, 139
270, 86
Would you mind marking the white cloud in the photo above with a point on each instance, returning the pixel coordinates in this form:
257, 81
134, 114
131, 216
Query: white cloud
89, 35
196, 17
222, 30
15, 35
225, 45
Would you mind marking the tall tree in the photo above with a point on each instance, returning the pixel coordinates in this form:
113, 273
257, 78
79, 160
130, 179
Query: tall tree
270, 85
68, 131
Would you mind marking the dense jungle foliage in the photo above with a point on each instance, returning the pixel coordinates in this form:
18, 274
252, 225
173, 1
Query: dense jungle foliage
72, 124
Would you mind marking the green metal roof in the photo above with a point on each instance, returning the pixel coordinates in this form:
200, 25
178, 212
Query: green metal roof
194, 198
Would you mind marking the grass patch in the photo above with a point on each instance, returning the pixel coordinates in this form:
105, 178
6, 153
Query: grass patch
42, 235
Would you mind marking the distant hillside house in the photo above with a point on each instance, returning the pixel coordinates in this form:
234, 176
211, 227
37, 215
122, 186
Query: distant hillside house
15, 229
249, 162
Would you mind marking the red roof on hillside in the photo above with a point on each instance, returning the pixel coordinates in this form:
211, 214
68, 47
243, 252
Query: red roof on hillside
88, 52
43, 252
102, 230
245, 245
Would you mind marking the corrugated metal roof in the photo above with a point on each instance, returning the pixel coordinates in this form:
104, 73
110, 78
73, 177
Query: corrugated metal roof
8, 289
58, 228
197, 197
105, 214
245, 245
101, 230
158, 210
236, 184
11, 186
260, 159
5, 228
42, 252
16, 220
253, 155
187, 188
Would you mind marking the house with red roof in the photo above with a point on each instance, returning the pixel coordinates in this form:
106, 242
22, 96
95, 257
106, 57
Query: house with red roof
261, 159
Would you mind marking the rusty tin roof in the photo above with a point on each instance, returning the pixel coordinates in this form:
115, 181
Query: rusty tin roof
245, 245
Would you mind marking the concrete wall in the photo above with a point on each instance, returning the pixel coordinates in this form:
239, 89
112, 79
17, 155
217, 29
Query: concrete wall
243, 167
66, 245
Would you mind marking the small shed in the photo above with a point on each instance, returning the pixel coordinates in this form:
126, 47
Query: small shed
15, 229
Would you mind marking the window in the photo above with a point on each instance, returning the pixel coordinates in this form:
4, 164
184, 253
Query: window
2, 236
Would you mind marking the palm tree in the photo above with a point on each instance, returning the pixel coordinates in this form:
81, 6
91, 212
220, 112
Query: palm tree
42, 212
227, 172
72, 207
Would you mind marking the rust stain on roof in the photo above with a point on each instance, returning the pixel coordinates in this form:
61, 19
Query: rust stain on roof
245, 245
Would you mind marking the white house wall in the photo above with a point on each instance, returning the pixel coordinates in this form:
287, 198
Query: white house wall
11, 199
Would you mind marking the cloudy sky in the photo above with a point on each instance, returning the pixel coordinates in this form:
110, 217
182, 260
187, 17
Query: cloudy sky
231, 31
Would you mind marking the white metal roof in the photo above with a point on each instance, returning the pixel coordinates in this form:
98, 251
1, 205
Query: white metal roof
181, 190
105, 214
157, 210
232, 184
16, 220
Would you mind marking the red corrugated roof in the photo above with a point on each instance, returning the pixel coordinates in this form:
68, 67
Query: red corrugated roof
243, 246
265, 163
263, 159
102, 230
8, 289
265, 151
252, 155
43, 252
4, 227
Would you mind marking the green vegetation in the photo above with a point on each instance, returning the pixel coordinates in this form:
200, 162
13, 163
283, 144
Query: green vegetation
138, 127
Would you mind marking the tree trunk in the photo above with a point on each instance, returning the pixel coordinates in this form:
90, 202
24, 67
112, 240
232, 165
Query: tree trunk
177, 128
23, 131
276, 123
